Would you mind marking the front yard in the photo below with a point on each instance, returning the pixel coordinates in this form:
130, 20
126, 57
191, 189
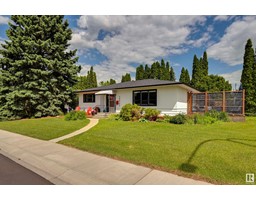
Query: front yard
44, 128
220, 153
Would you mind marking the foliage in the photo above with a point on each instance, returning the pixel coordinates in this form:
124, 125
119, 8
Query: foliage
248, 78
184, 76
204, 119
91, 79
172, 75
106, 83
126, 77
160, 71
75, 115
143, 120
151, 114
38, 70
221, 116
178, 119
204, 82
140, 73
81, 83
131, 112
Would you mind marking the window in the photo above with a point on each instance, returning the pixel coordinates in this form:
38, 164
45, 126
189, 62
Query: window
89, 98
145, 97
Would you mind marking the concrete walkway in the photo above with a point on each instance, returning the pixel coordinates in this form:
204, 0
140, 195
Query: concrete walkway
91, 124
64, 165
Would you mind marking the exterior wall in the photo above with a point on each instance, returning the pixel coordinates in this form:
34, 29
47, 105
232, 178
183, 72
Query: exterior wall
100, 101
171, 100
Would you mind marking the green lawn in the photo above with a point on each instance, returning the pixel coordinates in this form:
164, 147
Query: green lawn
220, 153
45, 128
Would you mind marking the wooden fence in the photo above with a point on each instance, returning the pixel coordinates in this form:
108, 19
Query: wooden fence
231, 102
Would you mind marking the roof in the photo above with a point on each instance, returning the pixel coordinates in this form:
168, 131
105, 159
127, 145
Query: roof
135, 84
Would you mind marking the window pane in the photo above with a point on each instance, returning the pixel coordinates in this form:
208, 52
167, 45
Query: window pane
136, 98
89, 98
144, 98
152, 98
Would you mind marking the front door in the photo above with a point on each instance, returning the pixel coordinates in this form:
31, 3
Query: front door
111, 103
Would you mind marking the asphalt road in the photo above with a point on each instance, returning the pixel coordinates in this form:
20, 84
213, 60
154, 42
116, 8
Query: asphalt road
12, 173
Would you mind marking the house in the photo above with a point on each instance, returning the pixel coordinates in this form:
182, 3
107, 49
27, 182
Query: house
167, 96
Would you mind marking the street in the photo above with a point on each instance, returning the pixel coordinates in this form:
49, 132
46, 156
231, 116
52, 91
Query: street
12, 173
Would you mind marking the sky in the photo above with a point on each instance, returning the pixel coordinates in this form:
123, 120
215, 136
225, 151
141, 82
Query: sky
117, 44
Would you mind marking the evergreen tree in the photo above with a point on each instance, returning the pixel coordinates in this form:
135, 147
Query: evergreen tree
205, 64
217, 83
38, 71
195, 72
162, 71
167, 71
91, 78
172, 75
183, 75
158, 75
154, 71
81, 83
112, 81
187, 77
147, 72
126, 77
247, 78
106, 83
140, 72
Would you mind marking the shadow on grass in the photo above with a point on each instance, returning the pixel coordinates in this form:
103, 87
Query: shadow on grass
188, 167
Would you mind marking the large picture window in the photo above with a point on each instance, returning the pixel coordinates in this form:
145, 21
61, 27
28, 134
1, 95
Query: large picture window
89, 98
145, 97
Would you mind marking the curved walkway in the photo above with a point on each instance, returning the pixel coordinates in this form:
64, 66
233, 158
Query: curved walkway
92, 123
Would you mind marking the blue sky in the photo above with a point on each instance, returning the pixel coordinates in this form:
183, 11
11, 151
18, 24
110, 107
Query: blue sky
115, 45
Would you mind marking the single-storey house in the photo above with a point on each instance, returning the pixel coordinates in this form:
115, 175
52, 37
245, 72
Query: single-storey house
169, 97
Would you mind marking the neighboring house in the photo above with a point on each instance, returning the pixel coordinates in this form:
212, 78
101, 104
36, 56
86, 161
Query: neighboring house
167, 96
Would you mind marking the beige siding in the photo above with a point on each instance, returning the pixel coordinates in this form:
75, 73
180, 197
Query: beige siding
170, 99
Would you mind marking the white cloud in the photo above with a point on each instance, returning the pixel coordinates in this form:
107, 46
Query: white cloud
230, 48
135, 39
4, 20
221, 18
233, 78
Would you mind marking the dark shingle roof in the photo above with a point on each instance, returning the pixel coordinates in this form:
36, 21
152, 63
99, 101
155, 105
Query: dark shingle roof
132, 84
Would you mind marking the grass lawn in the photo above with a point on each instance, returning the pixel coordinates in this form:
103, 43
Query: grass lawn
45, 128
220, 153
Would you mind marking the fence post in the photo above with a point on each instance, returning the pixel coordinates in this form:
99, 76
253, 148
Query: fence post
189, 103
206, 102
224, 101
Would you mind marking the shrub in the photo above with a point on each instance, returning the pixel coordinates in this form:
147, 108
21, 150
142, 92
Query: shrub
131, 112
204, 119
221, 116
178, 119
143, 120
75, 115
151, 114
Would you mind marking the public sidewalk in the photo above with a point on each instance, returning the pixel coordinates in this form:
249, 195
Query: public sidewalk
64, 165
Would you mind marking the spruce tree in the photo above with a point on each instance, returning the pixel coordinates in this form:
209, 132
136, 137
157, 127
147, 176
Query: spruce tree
247, 78
81, 83
37, 69
162, 70
91, 78
172, 75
